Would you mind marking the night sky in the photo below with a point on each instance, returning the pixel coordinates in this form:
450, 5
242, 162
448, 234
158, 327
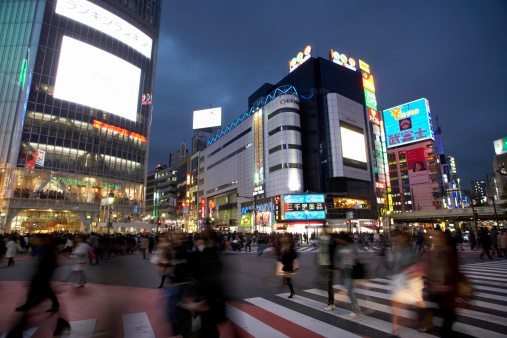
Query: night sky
453, 52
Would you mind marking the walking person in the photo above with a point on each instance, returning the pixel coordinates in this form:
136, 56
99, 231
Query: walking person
494, 242
80, 257
502, 242
443, 276
348, 256
163, 258
327, 244
289, 264
248, 243
145, 242
458, 238
485, 243
473, 240
10, 253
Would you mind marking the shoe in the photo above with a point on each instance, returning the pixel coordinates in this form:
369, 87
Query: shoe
53, 309
330, 307
61, 327
22, 308
355, 314
292, 295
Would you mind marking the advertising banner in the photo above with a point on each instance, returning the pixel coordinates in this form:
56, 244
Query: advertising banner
258, 153
417, 166
40, 156
408, 123
371, 99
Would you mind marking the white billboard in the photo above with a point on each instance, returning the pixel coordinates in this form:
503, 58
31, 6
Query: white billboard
106, 22
353, 145
207, 118
92, 77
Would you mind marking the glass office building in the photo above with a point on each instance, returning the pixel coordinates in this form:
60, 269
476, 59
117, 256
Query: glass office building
75, 111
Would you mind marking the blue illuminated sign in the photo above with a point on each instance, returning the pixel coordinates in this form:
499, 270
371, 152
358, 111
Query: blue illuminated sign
305, 215
408, 123
306, 198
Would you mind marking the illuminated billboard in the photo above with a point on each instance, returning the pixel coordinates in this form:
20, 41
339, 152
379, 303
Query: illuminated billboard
92, 77
106, 22
368, 82
408, 123
417, 166
371, 99
304, 207
207, 118
501, 146
342, 60
353, 145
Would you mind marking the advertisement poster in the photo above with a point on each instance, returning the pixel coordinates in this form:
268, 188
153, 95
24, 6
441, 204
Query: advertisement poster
417, 166
40, 156
408, 123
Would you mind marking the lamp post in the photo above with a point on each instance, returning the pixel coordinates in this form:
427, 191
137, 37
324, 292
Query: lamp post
110, 201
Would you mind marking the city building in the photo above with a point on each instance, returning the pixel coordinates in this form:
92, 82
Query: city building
178, 155
414, 158
160, 195
342, 140
480, 192
75, 111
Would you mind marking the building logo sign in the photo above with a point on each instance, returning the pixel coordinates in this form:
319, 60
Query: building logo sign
104, 126
106, 22
300, 58
368, 82
500, 146
374, 116
146, 99
408, 123
40, 156
342, 60
258, 130
364, 66
370, 99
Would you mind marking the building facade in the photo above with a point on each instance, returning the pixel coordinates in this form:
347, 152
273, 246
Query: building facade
75, 110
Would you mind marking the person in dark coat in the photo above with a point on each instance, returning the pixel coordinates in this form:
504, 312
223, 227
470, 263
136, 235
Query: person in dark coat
485, 243
288, 260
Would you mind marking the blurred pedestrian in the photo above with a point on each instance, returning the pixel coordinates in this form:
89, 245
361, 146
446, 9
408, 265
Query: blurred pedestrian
327, 246
443, 277
162, 258
458, 238
145, 243
494, 242
473, 240
407, 280
485, 243
79, 257
502, 243
288, 262
348, 257
12, 248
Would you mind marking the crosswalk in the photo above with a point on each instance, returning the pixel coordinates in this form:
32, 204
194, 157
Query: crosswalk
303, 316
301, 249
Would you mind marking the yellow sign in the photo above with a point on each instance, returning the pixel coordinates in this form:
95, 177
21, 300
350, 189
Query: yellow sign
368, 82
364, 66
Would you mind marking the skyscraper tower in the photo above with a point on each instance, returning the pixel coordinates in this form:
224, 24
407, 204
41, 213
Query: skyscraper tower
75, 110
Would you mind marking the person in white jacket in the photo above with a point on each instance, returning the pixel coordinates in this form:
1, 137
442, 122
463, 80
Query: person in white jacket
80, 257
12, 248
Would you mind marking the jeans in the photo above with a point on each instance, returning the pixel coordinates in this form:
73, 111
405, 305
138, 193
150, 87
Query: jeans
348, 282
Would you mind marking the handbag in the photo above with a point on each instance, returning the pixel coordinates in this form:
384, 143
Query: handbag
358, 271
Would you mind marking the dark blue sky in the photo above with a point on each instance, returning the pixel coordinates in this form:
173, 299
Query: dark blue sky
453, 52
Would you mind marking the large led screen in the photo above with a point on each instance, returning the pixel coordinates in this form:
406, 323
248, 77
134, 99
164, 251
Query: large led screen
353, 145
408, 123
89, 14
92, 77
207, 118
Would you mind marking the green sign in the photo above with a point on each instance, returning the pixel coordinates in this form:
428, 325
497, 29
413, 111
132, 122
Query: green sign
501, 146
22, 72
74, 181
371, 99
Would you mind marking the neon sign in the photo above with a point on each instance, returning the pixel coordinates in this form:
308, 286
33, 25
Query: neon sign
364, 66
342, 60
118, 130
146, 99
300, 58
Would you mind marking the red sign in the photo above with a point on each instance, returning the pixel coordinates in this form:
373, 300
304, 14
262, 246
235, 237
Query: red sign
121, 131
417, 167
203, 207
380, 185
374, 116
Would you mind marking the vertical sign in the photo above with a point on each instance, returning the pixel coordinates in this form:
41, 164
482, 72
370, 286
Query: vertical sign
258, 130
203, 207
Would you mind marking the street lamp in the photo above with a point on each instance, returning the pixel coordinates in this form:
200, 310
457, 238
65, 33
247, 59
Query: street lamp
110, 201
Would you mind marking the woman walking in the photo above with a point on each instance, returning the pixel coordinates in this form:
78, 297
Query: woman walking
289, 264
163, 258
348, 257
11, 251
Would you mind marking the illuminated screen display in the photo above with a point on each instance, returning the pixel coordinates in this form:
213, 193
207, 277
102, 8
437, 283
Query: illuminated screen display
92, 77
207, 118
106, 22
308, 198
304, 215
371, 99
353, 145
408, 123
